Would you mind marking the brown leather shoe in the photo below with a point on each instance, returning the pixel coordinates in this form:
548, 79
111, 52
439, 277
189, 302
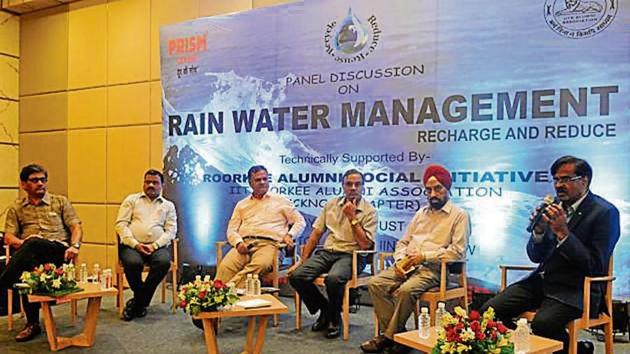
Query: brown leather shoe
376, 344
29, 332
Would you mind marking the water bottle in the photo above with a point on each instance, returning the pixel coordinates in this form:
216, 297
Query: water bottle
256, 286
520, 337
83, 273
441, 311
424, 321
249, 285
96, 273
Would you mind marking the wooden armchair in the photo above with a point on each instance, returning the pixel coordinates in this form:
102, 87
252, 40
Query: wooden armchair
453, 285
120, 278
277, 270
357, 280
584, 322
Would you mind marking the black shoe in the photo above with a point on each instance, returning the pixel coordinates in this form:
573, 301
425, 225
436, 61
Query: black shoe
130, 311
130, 303
376, 344
29, 332
585, 347
321, 323
334, 330
396, 349
141, 311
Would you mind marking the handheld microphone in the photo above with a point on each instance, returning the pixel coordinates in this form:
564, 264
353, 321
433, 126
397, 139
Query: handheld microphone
548, 200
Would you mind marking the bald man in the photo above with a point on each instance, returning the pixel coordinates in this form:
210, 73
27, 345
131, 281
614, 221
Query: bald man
437, 232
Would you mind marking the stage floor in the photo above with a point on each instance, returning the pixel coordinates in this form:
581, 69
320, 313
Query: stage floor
164, 332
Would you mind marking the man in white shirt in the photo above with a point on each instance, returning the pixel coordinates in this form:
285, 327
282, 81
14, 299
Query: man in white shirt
259, 224
146, 225
438, 231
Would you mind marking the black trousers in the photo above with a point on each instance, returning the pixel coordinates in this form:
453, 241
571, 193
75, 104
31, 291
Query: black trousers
552, 316
33, 252
338, 265
133, 262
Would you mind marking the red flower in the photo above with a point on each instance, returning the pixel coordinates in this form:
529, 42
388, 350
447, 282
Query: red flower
494, 335
475, 326
218, 284
47, 267
501, 328
459, 325
491, 324
480, 336
474, 315
182, 304
59, 271
452, 335
202, 295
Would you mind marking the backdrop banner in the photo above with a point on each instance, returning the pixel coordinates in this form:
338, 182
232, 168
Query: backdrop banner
493, 90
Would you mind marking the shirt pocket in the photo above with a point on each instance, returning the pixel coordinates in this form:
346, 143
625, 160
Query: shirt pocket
159, 215
52, 221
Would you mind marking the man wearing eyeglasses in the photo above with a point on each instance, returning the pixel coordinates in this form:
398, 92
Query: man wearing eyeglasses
351, 224
41, 228
438, 231
575, 238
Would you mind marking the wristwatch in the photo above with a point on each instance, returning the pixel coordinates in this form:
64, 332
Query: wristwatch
354, 221
76, 245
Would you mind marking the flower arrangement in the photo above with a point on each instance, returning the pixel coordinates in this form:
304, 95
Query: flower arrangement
205, 295
48, 279
472, 334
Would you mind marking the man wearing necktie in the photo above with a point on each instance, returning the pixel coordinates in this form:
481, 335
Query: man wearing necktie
574, 239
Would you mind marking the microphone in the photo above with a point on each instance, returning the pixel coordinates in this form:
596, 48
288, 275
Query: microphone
548, 200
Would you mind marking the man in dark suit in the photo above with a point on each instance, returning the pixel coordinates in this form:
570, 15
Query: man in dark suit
574, 239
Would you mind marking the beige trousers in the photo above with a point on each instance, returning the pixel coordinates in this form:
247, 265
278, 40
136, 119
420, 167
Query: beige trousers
394, 298
235, 266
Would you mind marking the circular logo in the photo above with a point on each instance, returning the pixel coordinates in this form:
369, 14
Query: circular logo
351, 40
579, 18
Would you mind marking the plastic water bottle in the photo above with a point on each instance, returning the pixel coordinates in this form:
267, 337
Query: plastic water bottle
425, 323
520, 337
256, 286
249, 285
83, 273
441, 311
96, 273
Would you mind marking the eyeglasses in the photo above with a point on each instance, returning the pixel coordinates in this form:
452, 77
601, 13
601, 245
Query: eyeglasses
436, 189
565, 179
38, 179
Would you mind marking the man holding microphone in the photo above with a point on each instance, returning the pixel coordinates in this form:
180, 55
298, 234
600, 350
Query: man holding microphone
572, 239
351, 224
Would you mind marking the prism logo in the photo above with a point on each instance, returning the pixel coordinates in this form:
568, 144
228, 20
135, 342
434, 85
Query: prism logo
188, 45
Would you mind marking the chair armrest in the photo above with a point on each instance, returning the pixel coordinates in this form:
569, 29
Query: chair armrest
588, 280
175, 247
516, 267
355, 264
506, 267
586, 313
444, 272
381, 259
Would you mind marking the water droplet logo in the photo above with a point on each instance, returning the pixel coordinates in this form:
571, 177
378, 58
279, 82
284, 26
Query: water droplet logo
351, 40
352, 36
